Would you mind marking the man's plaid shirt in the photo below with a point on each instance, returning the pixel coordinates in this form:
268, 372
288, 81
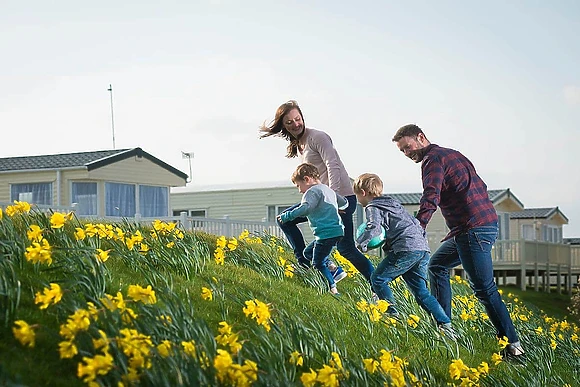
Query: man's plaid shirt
450, 182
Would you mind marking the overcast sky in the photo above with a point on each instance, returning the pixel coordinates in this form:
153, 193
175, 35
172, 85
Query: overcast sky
499, 82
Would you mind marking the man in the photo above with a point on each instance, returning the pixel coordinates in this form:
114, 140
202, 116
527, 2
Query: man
451, 182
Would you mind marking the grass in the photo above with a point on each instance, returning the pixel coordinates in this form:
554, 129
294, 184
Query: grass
552, 304
259, 315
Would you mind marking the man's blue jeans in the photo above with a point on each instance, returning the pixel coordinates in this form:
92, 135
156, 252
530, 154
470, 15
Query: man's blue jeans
412, 266
346, 246
472, 249
317, 252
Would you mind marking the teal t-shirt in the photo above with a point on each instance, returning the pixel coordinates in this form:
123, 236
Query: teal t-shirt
320, 205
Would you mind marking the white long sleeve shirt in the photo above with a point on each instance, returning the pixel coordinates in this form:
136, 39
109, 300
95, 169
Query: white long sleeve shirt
315, 147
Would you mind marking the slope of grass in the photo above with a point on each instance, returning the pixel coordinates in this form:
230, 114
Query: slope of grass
232, 312
552, 304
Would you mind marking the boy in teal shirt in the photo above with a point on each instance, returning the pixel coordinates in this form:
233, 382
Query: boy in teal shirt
320, 205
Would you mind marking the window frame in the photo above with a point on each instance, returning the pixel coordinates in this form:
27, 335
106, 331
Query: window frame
534, 233
139, 204
72, 201
50, 191
119, 213
190, 212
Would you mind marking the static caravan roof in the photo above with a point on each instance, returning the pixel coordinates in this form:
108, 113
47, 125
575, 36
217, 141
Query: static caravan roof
89, 160
538, 213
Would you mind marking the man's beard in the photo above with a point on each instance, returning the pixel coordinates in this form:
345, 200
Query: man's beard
417, 155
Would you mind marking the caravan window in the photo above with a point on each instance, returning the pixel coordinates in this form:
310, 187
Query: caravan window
37, 193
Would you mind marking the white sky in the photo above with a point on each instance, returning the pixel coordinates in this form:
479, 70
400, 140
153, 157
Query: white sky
500, 83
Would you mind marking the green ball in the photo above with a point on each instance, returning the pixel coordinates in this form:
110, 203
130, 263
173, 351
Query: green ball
375, 242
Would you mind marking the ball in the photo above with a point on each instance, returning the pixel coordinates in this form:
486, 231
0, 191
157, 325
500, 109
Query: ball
375, 242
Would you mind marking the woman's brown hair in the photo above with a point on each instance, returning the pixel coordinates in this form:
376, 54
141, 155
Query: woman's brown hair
276, 127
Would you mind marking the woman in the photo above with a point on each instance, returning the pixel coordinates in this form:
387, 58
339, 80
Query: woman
315, 147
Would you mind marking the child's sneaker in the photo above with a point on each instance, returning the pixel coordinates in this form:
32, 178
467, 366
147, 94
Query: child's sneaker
392, 312
448, 331
339, 274
513, 351
375, 298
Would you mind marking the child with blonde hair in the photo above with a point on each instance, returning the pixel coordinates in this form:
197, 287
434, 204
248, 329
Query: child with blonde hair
406, 248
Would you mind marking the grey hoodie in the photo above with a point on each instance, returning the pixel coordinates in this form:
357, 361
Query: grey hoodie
404, 232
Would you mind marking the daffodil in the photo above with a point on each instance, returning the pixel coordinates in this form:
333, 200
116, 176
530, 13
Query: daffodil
503, 342
34, 233
496, 358
328, 376
51, 295
457, 369
308, 379
102, 255
221, 242
80, 234
58, 219
222, 362
371, 365
232, 244
102, 342
483, 368
67, 349
296, 358
164, 348
91, 367
259, 311
139, 293
289, 271
24, 333
219, 255
413, 320
189, 347
144, 248
17, 208
206, 294
39, 252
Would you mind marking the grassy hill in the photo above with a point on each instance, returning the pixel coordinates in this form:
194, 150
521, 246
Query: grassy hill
102, 304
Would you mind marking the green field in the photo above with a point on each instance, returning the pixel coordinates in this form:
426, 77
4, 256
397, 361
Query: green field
230, 311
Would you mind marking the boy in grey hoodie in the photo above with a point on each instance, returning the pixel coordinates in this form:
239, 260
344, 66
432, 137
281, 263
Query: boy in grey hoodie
406, 248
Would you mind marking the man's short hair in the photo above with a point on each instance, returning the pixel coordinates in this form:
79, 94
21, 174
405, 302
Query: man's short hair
303, 171
370, 183
409, 130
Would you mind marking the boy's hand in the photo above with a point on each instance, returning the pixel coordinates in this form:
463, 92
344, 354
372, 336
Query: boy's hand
362, 248
279, 217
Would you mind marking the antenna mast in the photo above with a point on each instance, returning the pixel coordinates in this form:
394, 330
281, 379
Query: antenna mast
188, 156
110, 89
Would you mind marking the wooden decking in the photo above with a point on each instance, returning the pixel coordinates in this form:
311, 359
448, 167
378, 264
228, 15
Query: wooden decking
540, 265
